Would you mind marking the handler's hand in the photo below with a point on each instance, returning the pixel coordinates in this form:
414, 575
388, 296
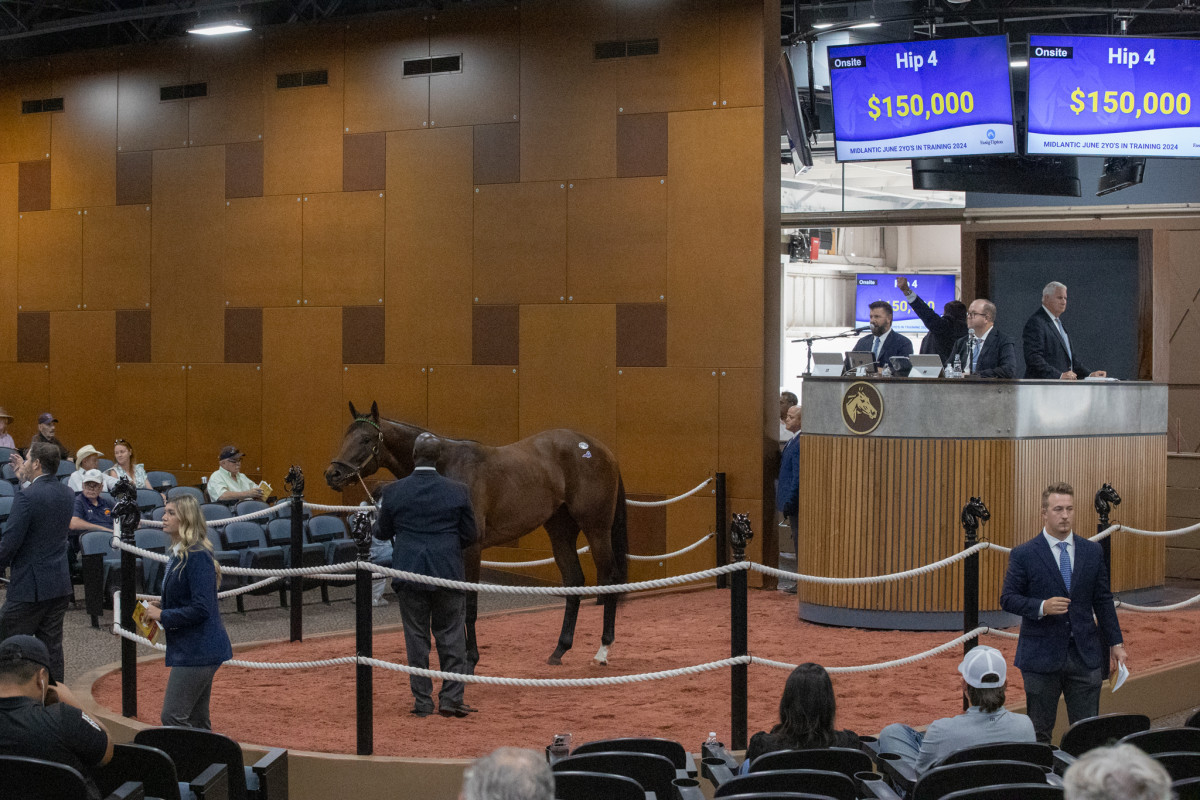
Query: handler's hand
1099, 373
153, 612
1068, 376
1117, 655
1055, 605
902, 284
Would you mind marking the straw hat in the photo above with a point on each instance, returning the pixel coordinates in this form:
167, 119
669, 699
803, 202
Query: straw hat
5, 414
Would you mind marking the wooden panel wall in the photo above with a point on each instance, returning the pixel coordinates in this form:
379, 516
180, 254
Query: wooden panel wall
898, 505
494, 202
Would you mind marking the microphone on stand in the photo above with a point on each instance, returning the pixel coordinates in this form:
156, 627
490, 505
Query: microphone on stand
861, 330
969, 367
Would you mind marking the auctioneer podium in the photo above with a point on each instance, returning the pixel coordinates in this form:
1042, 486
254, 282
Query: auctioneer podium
887, 464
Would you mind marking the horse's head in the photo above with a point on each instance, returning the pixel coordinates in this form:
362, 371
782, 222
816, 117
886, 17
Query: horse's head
361, 452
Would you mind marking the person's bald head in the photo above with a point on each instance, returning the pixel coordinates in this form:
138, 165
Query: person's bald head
426, 450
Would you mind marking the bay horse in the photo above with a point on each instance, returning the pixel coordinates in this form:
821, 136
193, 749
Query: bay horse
561, 480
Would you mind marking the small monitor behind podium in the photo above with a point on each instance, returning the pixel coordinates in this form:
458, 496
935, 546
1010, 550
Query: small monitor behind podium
861, 359
827, 365
926, 366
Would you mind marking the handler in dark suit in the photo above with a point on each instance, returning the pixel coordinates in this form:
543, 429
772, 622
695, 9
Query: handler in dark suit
35, 545
1055, 583
1048, 350
430, 520
944, 330
990, 354
882, 342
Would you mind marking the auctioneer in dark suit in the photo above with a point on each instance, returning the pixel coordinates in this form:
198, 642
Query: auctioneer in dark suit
34, 543
894, 344
944, 330
997, 355
1060, 653
1046, 349
430, 520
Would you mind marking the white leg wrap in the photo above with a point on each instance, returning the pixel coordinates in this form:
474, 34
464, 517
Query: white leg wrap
601, 655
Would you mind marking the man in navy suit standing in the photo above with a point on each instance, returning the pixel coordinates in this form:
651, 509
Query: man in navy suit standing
882, 342
1049, 352
34, 543
787, 488
1056, 582
430, 521
988, 353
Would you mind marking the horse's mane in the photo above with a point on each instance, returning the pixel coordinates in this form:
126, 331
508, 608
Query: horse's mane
417, 430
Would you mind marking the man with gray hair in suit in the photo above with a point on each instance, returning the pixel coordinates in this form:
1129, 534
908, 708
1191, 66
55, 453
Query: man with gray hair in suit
1049, 351
509, 773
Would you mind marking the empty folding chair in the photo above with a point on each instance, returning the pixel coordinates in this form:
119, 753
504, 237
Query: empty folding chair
1009, 791
806, 781
49, 780
330, 532
941, 781
152, 571
194, 750
96, 550
1088, 734
148, 500
654, 773
1166, 740
65, 469
214, 512
226, 558
7, 489
1025, 752
845, 760
779, 796
279, 534
286, 512
681, 759
162, 481
1180, 766
1188, 789
176, 491
156, 771
6, 504
596, 786
251, 506
6, 471
1193, 721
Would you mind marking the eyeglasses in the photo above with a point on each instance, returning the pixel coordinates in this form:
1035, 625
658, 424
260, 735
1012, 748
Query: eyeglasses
976, 314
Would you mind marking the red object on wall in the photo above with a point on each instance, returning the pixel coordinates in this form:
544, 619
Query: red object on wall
814, 247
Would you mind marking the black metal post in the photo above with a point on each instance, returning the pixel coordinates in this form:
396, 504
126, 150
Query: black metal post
722, 538
972, 513
364, 695
295, 480
128, 647
739, 644
1106, 498
127, 516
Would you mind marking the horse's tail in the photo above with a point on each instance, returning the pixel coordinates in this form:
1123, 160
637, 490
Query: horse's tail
619, 537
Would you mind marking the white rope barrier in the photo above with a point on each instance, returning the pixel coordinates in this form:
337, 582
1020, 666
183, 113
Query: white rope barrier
541, 562
1109, 531
1140, 532
678, 552
220, 523
895, 576
1004, 634
669, 500
899, 662
1123, 606
367, 509
586, 548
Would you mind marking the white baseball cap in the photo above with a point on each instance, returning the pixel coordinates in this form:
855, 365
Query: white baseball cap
93, 476
984, 668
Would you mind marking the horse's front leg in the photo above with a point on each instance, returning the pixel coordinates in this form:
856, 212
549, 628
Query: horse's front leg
471, 568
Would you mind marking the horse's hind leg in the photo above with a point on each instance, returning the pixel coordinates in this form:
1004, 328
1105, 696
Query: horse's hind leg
563, 535
471, 565
602, 555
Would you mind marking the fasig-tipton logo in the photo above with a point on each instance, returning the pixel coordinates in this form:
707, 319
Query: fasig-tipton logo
862, 408
847, 62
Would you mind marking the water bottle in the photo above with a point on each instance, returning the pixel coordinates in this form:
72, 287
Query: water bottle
956, 368
712, 741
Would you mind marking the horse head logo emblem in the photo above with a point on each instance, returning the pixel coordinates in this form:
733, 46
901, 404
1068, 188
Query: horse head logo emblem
862, 407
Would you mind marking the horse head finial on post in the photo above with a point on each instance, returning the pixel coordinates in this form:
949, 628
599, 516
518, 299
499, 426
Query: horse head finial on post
973, 513
295, 480
740, 535
360, 531
126, 510
1106, 498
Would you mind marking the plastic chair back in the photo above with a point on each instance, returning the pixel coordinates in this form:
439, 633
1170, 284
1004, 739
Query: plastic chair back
1010, 791
194, 750
1193, 721
97, 543
279, 532
176, 491
65, 469
663, 747
653, 773
1025, 752
1166, 740
162, 480
777, 796
138, 762
152, 539
104, 464
1188, 789
845, 760
249, 507
941, 781
7, 471
6, 504
215, 511
809, 781
326, 528
580, 785
1093, 732
242, 535
148, 500
7, 489
41, 780
1180, 766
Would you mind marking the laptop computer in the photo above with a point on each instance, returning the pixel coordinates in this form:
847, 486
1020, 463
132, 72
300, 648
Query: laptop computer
859, 358
925, 366
827, 365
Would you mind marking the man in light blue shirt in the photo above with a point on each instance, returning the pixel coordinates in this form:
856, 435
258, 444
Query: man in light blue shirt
987, 721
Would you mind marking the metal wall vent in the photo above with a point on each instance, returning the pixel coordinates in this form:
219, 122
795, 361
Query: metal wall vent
293, 80
438, 65
41, 106
183, 91
630, 49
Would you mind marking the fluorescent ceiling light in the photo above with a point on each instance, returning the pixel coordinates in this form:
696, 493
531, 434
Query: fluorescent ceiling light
866, 25
1018, 63
822, 25
219, 28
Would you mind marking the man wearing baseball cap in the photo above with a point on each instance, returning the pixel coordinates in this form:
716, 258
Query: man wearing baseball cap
47, 425
42, 719
228, 484
987, 721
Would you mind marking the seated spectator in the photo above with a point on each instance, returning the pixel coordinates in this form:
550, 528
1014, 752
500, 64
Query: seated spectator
1121, 772
47, 425
42, 719
807, 715
509, 773
6, 439
228, 484
987, 721
92, 512
87, 460
124, 466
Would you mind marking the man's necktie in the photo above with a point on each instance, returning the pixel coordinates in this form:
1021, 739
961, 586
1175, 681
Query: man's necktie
875, 350
1064, 564
1063, 334
975, 355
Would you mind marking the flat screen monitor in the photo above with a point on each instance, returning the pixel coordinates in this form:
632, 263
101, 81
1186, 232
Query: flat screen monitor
926, 366
1114, 96
800, 153
941, 97
935, 290
827, 365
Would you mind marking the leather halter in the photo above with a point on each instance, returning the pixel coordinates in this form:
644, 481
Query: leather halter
374, 454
